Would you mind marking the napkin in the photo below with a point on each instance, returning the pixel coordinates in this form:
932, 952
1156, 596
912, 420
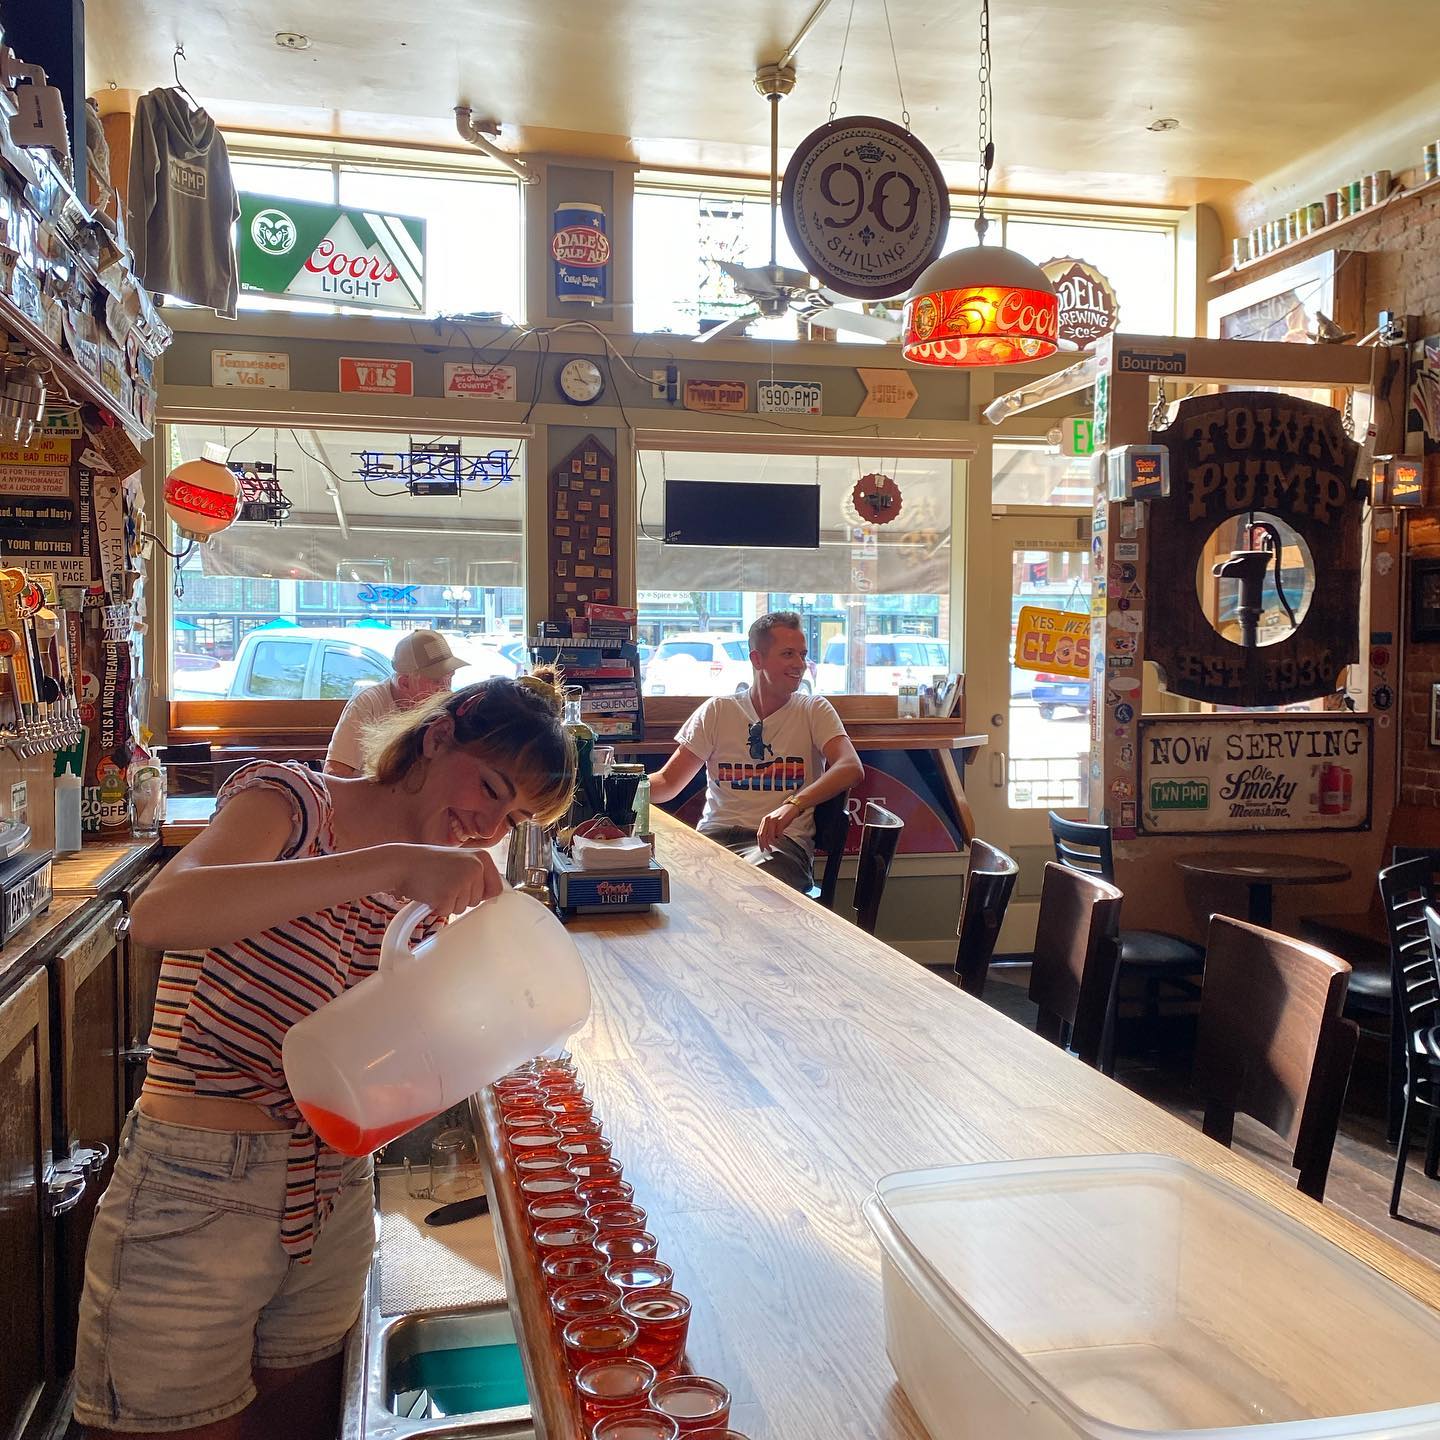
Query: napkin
629, 852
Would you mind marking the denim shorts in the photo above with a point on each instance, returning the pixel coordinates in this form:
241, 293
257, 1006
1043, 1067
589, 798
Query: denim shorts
187, 1288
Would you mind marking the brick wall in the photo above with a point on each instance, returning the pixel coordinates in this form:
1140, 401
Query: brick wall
1402, 273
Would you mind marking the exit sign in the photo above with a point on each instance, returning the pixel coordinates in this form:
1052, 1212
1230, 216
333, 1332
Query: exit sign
1077, 435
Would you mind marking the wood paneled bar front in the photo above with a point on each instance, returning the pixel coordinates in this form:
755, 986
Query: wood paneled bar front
758, 1064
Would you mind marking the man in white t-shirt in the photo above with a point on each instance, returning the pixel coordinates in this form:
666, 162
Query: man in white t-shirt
423, 667
771, 755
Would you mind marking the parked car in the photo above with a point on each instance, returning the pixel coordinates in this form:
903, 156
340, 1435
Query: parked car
699, 662
890, 661
296, 662
1050, 692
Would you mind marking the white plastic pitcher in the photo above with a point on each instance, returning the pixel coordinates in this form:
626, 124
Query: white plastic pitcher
497, 985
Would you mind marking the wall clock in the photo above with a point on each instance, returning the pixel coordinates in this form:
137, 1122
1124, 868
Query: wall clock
581, 382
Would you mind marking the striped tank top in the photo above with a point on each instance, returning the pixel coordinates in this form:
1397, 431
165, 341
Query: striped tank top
221, 1014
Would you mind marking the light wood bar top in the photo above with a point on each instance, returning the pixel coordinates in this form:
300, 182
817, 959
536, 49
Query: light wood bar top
758, 1063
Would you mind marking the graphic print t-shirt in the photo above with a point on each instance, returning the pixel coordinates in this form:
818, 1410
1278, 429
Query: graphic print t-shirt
741, 790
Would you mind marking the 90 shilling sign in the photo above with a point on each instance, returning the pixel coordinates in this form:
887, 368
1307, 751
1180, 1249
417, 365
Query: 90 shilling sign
302, 250
865, 206
1234, 773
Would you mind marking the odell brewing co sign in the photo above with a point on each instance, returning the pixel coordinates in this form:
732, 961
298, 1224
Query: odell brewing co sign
865, 206
581, 251
1088, 307
1235, 773
325, 252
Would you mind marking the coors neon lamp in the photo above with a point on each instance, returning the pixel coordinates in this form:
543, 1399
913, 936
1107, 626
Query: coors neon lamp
984, 305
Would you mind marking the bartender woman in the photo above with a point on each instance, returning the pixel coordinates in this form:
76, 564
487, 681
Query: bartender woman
228, 1257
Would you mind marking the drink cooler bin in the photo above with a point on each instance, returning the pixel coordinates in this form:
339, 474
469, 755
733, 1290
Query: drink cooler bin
1133, 1296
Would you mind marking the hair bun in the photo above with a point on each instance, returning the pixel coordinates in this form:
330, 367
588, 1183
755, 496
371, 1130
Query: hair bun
544, 682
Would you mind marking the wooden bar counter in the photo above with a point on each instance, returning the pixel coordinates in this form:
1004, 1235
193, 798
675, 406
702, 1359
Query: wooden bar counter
758, 1064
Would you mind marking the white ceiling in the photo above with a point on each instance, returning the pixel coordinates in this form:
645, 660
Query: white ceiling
1254, 83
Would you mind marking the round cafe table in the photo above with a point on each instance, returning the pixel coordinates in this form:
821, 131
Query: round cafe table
1262, 870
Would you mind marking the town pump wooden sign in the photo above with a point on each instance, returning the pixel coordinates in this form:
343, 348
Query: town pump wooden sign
1248, 453
305, 251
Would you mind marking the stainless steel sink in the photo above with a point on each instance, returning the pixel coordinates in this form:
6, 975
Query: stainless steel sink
449, 1373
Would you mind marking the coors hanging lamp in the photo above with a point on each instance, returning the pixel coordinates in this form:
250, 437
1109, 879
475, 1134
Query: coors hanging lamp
985, 305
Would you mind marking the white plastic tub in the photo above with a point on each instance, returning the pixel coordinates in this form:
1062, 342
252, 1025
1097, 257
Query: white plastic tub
1133, 1295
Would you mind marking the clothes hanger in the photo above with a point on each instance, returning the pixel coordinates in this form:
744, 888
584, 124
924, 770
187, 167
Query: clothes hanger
175, 60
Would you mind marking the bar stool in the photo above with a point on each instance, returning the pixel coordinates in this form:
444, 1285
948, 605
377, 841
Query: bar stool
1272, 1042
832, 830
1155, 955
989, 880
879, 835
1072, 975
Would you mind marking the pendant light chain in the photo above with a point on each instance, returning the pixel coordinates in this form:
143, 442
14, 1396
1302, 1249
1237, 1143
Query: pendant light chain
987, 140
839, 73
895, 60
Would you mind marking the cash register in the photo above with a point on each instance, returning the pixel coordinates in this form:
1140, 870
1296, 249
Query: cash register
25, 878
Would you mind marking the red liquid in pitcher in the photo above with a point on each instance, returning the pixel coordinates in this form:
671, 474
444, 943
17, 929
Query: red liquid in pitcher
347, 1137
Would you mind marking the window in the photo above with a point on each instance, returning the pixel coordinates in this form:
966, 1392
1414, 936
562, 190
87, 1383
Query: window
313, 608
472, 226
344, 671
1035, 475
874, 600
277, 670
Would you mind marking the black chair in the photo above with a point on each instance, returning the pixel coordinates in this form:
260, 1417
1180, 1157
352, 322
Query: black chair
1072, 975
989, 881
832, 830
879, 835
1272, 1043
1154, 955
1405, 891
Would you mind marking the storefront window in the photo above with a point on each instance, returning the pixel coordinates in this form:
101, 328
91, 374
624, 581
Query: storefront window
1037, 475
874, 599
472, 227
312, 609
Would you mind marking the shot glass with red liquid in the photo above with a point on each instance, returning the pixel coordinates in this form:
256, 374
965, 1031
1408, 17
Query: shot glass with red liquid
533, 1142
626, 1247
564, 1235
596, 1296
598, 1192
569, 1266
598, 1337
643, 1274
554, 1207
637, 1425
511, 1101
568, 1107
615, 1217
592, 1147
569, 1130
694, 1402
663, 1320
513, 1121
542, 1162
600, 1168
613, 1387
547, 1186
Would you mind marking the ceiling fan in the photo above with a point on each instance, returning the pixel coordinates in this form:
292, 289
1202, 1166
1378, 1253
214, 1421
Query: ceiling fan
773, 289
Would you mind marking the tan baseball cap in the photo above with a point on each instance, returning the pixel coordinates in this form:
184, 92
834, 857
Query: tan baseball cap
425, 653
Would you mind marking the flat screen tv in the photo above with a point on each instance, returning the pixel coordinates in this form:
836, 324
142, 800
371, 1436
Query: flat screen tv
707, 512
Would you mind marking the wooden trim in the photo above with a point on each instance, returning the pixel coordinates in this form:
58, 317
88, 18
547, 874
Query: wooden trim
27, 1009
817, 442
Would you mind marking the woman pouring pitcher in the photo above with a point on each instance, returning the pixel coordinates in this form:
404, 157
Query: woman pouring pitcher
229, 1255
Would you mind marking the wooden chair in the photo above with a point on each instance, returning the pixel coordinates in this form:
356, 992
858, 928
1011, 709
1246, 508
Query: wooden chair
879, 835
1072, 975
1156, 956
1405, 891
832, 830
1273, 1043
989, 881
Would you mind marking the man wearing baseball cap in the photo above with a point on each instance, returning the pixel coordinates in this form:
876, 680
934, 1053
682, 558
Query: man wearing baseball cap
423, 666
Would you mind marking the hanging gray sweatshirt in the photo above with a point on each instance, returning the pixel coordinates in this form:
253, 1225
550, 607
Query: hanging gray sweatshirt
182, 203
